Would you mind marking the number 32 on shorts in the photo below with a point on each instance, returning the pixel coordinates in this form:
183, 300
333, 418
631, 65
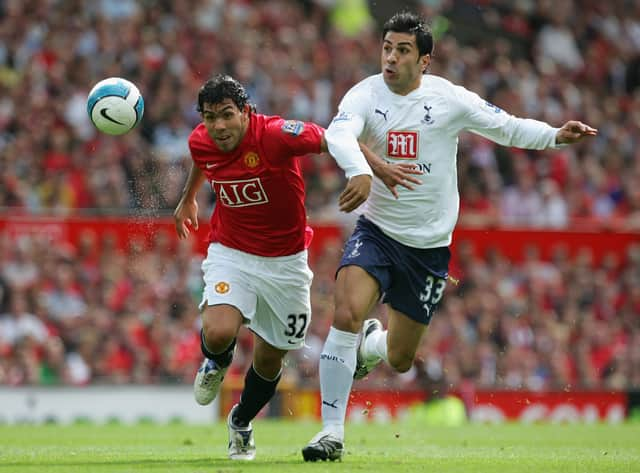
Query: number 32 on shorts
296, 325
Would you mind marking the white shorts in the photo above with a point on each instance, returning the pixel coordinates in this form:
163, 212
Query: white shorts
272, 293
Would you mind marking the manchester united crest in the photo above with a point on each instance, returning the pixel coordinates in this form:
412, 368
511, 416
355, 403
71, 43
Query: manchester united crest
222, 287
251, 160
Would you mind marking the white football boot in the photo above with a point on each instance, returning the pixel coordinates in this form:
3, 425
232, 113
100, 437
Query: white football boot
241, 443
208, 380
364, 365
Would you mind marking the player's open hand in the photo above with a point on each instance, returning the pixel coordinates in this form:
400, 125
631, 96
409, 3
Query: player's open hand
355, 193
186, 217
398, 174
574, 131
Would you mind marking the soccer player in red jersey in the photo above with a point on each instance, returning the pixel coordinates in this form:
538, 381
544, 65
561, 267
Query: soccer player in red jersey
256, 271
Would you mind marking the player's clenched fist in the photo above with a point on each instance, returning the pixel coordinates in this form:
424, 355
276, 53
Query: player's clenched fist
185, 216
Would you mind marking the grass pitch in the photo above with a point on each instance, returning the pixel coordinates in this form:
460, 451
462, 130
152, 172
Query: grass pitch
397, 447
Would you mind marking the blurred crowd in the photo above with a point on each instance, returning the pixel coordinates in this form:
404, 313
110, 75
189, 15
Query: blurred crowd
98, 313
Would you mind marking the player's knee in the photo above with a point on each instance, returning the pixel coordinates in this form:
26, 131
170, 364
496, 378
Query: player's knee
268, 367
400, 362
217, 339
345, 318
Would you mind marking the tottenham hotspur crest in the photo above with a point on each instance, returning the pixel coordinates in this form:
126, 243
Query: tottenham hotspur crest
427, 119
355, 252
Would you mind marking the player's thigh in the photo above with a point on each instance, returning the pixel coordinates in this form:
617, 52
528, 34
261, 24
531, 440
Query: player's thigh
403, 338
227, 281
220, 324
228, 297
419, 282
365, 272
267, 359
356, 294
283, 311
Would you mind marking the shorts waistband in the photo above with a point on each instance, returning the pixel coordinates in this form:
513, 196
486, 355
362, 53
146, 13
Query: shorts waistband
283, 258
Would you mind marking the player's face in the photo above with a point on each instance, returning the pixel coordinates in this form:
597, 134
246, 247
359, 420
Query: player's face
225, 123
402, 65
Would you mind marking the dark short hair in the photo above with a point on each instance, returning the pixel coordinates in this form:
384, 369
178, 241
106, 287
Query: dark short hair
408, 22
219, 88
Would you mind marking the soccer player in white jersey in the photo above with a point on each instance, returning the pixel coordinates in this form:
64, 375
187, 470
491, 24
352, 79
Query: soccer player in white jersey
399, 250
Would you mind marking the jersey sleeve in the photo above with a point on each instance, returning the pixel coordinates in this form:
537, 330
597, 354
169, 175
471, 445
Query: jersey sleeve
285, 139
344, 131
483, 118
197, 147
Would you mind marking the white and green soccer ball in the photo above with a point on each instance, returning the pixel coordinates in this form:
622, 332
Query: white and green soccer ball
115, 106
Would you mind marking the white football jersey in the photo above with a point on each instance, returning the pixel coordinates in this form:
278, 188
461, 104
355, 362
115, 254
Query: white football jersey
422, 127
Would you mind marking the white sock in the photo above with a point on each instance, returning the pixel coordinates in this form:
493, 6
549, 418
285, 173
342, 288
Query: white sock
375, 346
337, 365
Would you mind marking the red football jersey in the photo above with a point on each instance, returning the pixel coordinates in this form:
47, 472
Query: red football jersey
259, 187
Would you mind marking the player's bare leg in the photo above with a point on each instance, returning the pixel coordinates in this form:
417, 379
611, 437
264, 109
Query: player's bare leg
220, 324
356, 295
397, 345
403, 337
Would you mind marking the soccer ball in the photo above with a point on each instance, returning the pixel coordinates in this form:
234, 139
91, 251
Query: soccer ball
115, 106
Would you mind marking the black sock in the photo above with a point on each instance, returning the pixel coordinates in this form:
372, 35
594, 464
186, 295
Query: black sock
256, 394
222, 359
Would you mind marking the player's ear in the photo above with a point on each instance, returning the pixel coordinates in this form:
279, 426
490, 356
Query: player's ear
244, 112
425, 60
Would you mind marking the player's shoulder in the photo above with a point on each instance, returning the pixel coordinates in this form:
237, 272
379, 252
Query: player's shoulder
279, 128
436, 87
261, 122
264, 126
432, 82
368, 86
199, 137
361, 97
275, 125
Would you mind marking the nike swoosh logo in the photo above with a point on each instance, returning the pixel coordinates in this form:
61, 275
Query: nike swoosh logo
211, 165
103, 112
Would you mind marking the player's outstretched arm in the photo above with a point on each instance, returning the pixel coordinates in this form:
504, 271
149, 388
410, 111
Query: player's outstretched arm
186, 213
573, 131
392, 175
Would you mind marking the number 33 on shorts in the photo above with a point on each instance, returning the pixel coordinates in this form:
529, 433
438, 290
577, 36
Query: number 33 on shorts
432, 293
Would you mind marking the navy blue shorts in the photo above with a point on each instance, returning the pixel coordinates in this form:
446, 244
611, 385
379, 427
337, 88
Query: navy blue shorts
412, 280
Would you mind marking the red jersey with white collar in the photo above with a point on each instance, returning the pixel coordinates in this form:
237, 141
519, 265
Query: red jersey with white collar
259, 187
